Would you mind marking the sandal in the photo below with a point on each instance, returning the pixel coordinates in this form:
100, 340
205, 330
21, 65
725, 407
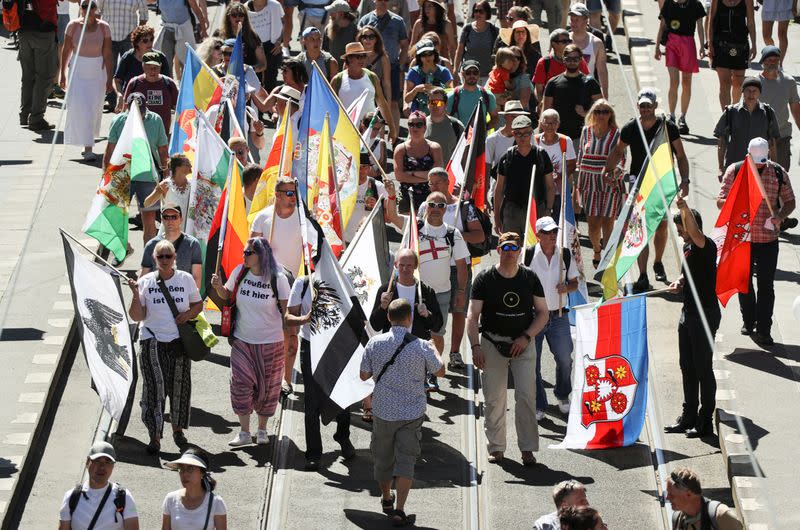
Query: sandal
387, 505
399, 518
367, 416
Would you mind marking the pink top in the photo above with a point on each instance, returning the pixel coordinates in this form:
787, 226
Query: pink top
92, 45
497, 80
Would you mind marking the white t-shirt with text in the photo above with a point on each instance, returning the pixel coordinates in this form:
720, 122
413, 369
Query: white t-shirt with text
158, 319
258, 318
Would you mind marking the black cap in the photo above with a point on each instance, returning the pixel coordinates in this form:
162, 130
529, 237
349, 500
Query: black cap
751, 81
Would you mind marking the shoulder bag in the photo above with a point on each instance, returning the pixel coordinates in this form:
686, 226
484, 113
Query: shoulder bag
193, 344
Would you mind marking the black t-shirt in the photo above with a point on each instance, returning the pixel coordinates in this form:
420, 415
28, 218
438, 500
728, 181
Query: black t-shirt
507, 302
517, 170
702, 263
568, 92
630, 135
681, 17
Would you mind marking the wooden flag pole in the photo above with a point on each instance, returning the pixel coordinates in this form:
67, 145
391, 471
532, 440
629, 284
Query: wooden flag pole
562, 225
93, 253
415, 248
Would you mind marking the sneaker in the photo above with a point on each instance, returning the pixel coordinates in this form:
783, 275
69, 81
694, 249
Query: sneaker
539, 415
762, 339
89, 156
658, 269
746, 330
23, 119
682, 127
57, 92
312, 464
431, 384
528, 459
456, 362
286, 390
261, 437
563, 406
788, 224
243, 438
642, 285
495, 457
671, 117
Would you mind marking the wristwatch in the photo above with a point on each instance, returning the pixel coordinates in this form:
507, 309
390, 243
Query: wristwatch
525, 334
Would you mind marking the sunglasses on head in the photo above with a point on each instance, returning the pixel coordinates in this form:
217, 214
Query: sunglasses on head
416, 124
165, 256
509, 247
248, 252
170, 217
438, 205
288, 193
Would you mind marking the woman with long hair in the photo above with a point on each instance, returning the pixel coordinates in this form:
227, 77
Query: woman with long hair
195, 506
526, 37
92, 64
211, 51
433, 17
237, 18
523, 87
600, 197
258, 289
377, 60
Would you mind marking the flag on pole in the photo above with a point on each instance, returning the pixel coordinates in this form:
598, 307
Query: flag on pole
280, 156
319, 101
200, 89
107, 218
642, 213
338, 332
366, 261
530, 218
326, 203
732, 233
356, 109
236, 69
609, 377
467, 165
103, 328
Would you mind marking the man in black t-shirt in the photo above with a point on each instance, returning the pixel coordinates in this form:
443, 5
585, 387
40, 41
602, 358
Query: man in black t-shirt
696, 351
631, 136
513, 188
571, 94
507, 309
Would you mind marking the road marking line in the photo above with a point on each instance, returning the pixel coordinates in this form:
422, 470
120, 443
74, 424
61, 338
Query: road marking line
3, 505
38, 377
54, 340
725, 395
63, 306
58, 322
45, 358
26, 417
18, 438
31, 397
64, 289
750, 504
7, 483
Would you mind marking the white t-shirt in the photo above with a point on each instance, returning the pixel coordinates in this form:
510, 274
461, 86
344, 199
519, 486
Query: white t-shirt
86, 508
182, 518
436, 255
267, 23
360, 212
179, 197
258, 318
158, 319
450, 214
287, 244
352, 88
554, 152
304, 302
62, 7
409, 292
496, 146
550, 275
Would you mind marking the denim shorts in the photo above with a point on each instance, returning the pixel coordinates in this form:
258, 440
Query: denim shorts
141, 190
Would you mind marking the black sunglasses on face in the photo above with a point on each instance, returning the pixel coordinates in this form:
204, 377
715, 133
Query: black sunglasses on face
562, 41
288, 193
602, 111
572, 58
237, 15
416, 124
368, 36
165, 256
170, 217
248, 252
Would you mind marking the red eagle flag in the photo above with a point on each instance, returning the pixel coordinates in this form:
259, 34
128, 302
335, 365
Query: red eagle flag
732, 232
467, 165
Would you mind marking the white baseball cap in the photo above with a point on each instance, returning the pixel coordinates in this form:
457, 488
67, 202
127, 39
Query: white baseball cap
759, 150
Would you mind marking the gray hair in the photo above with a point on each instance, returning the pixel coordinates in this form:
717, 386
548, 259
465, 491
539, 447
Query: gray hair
439, 172
550, 113
284, 179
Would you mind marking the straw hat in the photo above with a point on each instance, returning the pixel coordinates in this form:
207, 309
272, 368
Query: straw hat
506, 34
353, 48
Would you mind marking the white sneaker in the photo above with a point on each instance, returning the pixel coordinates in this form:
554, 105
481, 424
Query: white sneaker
539, 415
563, 406
243, 438
262, 438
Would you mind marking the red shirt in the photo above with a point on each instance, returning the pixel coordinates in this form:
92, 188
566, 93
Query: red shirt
162, 96
541, 77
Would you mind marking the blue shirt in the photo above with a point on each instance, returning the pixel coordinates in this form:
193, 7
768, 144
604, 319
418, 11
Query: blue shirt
392, 29
467, 101
400, 394
439, 78
174, 11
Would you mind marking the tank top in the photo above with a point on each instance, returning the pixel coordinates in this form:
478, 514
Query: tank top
351, 88
376, 67
730, 23
92, 45
589, 55
424, 163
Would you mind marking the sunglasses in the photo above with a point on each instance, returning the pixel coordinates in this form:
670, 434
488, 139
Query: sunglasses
549, 232
359, 55
426, 54
645, 106
437, 103
572, 58
416, 124
602, 111
438, 205
368, 36
237, 15
509, 247
170, 217
288, 193
472, 71
562, 41
165, 256
477, 11
241, 151
227, 54
522, 134
146, 40
248, 253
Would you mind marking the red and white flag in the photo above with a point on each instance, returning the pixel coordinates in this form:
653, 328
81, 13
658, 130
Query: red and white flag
732, 232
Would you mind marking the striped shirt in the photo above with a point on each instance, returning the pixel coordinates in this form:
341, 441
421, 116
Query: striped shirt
123, 16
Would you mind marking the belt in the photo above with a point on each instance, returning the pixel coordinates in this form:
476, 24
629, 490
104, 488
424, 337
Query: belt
554, 313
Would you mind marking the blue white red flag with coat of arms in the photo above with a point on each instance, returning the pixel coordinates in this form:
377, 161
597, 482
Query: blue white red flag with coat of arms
609, 378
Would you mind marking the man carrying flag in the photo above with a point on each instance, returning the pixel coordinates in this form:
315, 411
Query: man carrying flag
762, 231
696, 351
280, 224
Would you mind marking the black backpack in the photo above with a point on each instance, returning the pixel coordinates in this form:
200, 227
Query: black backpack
708, 518
119, 499
565, 253
476, 250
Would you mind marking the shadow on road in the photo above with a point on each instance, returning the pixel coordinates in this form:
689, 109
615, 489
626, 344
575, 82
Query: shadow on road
767, 361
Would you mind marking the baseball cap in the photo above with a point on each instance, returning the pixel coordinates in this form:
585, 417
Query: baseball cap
545, 224
469, 64
151, 58
309, 30
521, 122
759, 150
171, 206
505, 237
579, 9
424, 47
769, 51
647, 95
229, 43
102, 449
338, 6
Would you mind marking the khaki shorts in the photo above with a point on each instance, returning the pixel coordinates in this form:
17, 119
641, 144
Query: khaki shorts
395, 447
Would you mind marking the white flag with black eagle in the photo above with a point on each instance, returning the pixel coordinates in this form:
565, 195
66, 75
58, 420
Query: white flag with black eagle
338, 330
104, 329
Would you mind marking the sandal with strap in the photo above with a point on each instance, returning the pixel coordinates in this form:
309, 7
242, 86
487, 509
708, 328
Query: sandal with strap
387, 505
399, 518
367, 416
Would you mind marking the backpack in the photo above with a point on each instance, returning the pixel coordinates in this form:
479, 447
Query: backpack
449, 236
476, 250
708, 515
778, 175
566, 255
457, 98
119, 499
11, 20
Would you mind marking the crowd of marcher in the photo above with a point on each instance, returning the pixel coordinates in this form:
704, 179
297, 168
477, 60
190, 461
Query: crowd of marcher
423, 68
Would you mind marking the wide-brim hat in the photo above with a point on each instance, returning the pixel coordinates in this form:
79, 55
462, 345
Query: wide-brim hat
186, 459
514, 106
339, 6
288, 93
507, 34
353, 48
437, 2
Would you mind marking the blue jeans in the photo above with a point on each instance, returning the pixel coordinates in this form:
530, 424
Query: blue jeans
559, 341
